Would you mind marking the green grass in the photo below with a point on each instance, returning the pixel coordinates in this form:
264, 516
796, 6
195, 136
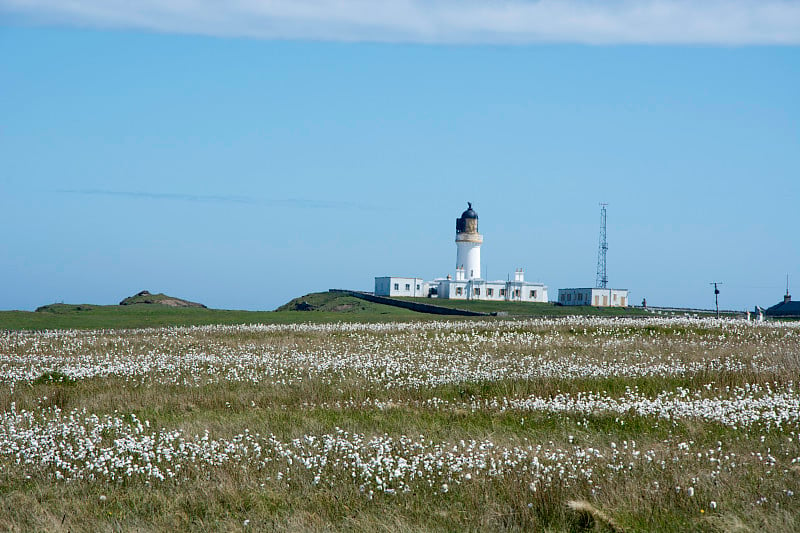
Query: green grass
321, 307
530, 309
222, 498
150, 315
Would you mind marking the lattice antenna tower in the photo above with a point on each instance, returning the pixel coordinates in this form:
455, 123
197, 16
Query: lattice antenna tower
602, 276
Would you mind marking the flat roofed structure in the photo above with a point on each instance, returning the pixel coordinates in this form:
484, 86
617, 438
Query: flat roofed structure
400, 286
595, 297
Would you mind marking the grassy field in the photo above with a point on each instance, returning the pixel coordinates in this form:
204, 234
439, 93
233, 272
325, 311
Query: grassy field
570, 424
330, 308
323, 307
530, 309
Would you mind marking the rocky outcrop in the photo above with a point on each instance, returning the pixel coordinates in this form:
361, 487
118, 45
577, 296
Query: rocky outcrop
145, 297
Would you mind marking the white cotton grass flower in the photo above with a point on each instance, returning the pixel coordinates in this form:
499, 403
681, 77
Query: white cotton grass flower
103, 497
712, 504
73, 445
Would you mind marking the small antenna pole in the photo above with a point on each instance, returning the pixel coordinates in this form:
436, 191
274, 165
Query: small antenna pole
716, 294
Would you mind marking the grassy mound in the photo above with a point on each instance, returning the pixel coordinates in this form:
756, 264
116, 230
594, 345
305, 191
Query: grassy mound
146, 297
62, 309
335, 302
327, 307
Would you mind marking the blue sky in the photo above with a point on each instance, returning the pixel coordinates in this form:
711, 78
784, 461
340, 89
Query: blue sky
241, 168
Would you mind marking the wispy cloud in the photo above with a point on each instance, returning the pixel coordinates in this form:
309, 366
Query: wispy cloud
299, 203
439, 21
159, 196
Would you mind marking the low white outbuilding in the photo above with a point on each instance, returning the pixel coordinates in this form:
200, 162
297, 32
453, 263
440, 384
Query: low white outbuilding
597, 297
400, 286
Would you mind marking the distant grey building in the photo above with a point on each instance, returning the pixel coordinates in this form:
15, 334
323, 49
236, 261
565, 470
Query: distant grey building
786, 309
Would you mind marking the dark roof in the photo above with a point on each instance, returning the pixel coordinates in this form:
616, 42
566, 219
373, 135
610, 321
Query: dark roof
789, 308
469, 213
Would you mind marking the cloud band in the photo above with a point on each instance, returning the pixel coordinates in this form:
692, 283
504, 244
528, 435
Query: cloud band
726, 22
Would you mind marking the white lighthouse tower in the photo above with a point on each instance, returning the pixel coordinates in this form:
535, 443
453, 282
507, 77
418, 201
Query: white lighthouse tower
468, 283
468, 241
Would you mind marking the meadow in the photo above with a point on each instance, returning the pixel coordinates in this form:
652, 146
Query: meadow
332, 308
537, 424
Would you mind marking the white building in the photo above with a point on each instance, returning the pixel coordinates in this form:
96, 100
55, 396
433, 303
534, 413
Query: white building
518, 290
467, 284
400, 286
596, 297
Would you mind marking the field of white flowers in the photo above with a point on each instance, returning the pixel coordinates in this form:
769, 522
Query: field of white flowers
550, 424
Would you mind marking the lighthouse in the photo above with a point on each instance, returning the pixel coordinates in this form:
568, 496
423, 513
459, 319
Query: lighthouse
468, 242
468, 283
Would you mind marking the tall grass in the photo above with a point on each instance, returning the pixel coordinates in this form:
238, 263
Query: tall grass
423, 393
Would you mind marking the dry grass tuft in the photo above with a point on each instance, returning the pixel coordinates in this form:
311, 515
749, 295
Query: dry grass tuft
597, 516
729, 523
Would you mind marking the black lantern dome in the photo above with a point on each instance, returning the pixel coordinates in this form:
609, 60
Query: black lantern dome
469, 213
468, 221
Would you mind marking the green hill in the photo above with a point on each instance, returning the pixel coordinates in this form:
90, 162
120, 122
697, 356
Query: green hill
336, 302
138, 313
146, 297
155, 310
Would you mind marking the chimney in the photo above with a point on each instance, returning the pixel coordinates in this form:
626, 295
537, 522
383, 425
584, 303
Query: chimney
787, 298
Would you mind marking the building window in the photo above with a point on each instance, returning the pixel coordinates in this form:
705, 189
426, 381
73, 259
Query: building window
458, 291
516, 293
580, 296
477, 291
408, 286
502, 292
489, 292
472, 273
397, 286
417, 286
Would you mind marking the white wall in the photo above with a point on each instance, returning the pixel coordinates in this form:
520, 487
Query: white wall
469, 256
399, 286
448, 289
594, 296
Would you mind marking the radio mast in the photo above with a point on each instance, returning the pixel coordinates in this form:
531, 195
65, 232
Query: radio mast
602, 277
